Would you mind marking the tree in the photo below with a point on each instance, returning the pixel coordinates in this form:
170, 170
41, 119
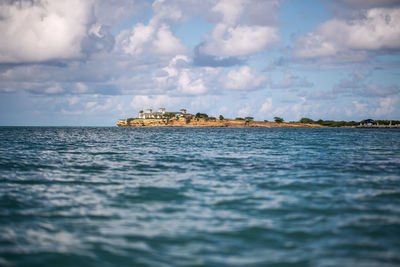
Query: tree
278, 119
306, 120
168, 116
221, 117
201, 115
249, 118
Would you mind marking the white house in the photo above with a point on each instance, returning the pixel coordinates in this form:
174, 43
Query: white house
149, 114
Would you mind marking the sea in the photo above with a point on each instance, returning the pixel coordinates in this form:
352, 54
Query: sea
109, 196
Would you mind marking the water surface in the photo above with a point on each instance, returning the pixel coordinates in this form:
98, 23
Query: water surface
199, 197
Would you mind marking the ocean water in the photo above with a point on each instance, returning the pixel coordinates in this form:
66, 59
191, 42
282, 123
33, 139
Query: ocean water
199, 197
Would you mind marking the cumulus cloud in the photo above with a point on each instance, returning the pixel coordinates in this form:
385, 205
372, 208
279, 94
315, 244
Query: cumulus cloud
191, 85
34, 31
203, 60
244, 111
239, 41
81, 88
113, 12
141, 102
373, 90
156, 37
244, 79
150, 39
181, 78
386, 107
383, 108
371, 3
291, 81
376, 30
165, 43
99, 38
91, 104
56, 89
231, 38
266, 106
358, 84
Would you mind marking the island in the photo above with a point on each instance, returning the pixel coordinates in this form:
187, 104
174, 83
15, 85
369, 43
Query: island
162, 118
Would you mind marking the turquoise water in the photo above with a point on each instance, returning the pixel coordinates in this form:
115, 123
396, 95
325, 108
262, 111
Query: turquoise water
199, 197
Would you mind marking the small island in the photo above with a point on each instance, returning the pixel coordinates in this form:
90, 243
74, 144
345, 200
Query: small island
163, 118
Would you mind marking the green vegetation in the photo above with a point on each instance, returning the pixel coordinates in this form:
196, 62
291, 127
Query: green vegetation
306, 120
331, 123
168, 116
201, 115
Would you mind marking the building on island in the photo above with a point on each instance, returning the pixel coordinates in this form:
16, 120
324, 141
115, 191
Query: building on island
149, 114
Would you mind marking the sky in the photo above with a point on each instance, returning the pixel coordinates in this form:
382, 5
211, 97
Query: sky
92, 62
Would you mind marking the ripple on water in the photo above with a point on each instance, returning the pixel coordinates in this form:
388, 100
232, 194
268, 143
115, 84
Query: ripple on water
207, 197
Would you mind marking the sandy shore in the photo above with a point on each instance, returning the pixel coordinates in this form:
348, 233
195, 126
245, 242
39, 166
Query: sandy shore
183, 122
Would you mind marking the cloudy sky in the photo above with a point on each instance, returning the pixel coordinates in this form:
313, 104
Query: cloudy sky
92, 62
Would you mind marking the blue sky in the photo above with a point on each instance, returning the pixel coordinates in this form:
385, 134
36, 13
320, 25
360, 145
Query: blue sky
94, 62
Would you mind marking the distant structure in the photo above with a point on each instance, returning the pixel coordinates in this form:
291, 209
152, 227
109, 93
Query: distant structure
372, 124
149, 114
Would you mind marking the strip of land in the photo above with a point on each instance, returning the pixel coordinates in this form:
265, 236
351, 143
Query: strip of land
202, 122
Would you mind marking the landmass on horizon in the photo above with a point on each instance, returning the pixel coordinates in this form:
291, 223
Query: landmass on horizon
163, 118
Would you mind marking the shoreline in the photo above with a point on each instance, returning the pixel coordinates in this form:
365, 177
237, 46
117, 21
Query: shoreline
184, 122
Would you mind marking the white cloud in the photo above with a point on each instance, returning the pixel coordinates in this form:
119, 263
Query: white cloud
291, 81
150, 39
42, 30
357, 84
232, 38
166, 43
188, 84
266, 106
137, 39
374, 90
370, 3
56, 89
204, 103
244, 112
244, 79
164, 10
360, 107
141, 102
386, 107
229, 9
180, 78
239, 40
376, 30
81, 88
91, 104
156, 37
